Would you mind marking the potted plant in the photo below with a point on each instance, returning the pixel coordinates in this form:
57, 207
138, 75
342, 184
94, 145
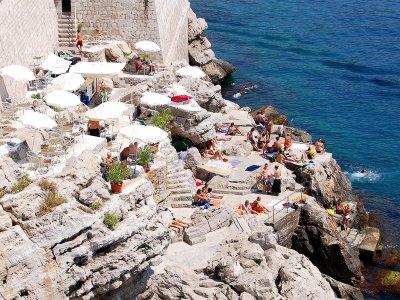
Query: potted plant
116, 173
144, 155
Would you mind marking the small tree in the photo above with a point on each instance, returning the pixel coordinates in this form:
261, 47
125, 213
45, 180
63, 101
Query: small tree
163, 120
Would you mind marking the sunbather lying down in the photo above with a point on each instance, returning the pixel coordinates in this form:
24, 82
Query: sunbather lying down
179, 225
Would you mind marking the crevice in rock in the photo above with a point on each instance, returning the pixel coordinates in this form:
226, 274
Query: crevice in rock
71, 238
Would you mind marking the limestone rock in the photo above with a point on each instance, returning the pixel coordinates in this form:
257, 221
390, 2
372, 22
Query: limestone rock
218, 69
219, 182
343, 290
193, 158
200, 52
96, 192
115, 54
34, 138
237, 148
317, 238
196, 26
98, 55
8, 174
298, 135
206, 94
229, 106
5, 220
271, 113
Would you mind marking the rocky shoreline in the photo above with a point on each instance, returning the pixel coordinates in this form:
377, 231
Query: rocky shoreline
70, 252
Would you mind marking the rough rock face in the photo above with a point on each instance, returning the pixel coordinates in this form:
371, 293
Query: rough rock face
298, 135
271, 113
34, 138
316, 237
343, 290
69, 252
206, 94
254, 268
193, 159
8, 172
199, 127
200, 52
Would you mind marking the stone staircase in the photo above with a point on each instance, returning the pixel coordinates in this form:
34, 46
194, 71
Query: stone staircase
240, 183
66, 31
180, 182
366, 241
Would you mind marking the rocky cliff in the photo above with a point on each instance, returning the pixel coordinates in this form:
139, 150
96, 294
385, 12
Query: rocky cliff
68, 251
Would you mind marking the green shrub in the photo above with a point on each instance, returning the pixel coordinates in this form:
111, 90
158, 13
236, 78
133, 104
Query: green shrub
96, 206
47, 185
35, 96
51, 200
110, 219
144, 155
163, 120
117, 172
22, 183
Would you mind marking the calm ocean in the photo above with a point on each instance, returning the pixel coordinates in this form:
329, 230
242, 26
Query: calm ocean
334, 68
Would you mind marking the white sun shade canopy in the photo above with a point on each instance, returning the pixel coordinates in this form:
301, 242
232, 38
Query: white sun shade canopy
154, 99
97, 69
37, 120
62, 99
17, 72
147, 46
107, 111
68, 82
145, 134
190, 71
56, 64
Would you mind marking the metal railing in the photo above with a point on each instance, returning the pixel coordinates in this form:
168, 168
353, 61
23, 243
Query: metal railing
276, 211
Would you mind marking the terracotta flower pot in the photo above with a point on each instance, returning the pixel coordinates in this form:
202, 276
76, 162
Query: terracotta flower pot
116, 187
145, 169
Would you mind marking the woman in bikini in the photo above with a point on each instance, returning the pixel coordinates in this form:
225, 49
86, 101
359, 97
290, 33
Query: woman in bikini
250, 138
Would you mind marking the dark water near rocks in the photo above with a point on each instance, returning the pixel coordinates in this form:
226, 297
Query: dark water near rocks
334, 68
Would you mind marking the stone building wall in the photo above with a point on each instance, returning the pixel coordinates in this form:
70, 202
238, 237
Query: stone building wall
28, 28
161, 21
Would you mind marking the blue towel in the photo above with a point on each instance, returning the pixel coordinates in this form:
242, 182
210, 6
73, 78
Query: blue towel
272, 154
252, 168
235, 162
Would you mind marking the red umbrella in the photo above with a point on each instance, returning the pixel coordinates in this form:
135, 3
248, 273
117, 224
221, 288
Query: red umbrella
181, 98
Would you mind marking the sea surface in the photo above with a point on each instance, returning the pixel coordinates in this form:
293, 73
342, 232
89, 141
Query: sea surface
334, 68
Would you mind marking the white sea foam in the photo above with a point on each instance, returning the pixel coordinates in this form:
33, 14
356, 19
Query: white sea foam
357, 176
237, 95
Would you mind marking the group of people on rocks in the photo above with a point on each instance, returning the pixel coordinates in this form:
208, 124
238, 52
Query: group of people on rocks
271, 182
255, 207
204, 196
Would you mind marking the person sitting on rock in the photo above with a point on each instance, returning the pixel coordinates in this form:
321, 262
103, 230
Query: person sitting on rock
268, 147
250, 138
131, 150
320, 146
339, 207
280, 158
257, 208
268, 127
288, 141
262, 139
199, 199
244, 208
213, 151
310, 152
264, 178
233, 130
210, 194
140, 66
259, 119
277, 144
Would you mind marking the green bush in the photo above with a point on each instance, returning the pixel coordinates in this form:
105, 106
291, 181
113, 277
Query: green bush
110, 219
144, 155
117, 172
163, 120
96, 205
51, 200
35, 96
22, 183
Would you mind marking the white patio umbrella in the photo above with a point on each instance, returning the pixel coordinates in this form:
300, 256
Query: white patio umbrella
55, 64
147, 46
62, 99
154, 99
37, 120
17, 72
97, 69
107, 111
193, 72
146, 134
68, 82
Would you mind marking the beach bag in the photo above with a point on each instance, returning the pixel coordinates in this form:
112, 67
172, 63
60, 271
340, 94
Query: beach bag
207, 205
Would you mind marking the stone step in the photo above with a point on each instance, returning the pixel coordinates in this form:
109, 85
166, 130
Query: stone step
181, 197
184, 190
69, 30
196, 240
66, 36
66, 21
182, 184
232, 192
238, 186
180, 174
181, 205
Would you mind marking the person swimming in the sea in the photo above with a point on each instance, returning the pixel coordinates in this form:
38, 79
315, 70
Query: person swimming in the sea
364, 172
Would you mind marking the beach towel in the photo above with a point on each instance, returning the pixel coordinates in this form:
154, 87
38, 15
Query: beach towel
251, 168
215, 203
270, 155
235, 162
330, 211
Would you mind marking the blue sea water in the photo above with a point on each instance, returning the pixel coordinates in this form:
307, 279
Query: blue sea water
334, 68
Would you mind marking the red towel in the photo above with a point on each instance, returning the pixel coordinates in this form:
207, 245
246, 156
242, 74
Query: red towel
181, 98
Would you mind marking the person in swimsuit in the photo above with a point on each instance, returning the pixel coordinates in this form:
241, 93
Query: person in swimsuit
79, 40
257, 208
244, 208
262, 139
250, 138
277, 145
94, 128
268, 147
276, 186
104, 94
233, 130
288, 141
320, 146
199, 199
268, 127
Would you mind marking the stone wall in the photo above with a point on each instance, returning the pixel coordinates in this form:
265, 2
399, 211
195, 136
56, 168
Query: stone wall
160, 21
28, 28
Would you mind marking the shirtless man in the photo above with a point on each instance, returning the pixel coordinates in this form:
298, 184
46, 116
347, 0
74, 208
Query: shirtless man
276, 187
199, 199
79, 40
320, 146
257, 208
279, 158
268, 147
288, 141
233, 130
277, 144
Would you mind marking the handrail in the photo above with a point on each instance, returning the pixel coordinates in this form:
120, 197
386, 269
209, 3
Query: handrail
287, 207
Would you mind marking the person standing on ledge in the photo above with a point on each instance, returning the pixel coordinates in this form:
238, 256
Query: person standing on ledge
79, 40
104, 94
276, 186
